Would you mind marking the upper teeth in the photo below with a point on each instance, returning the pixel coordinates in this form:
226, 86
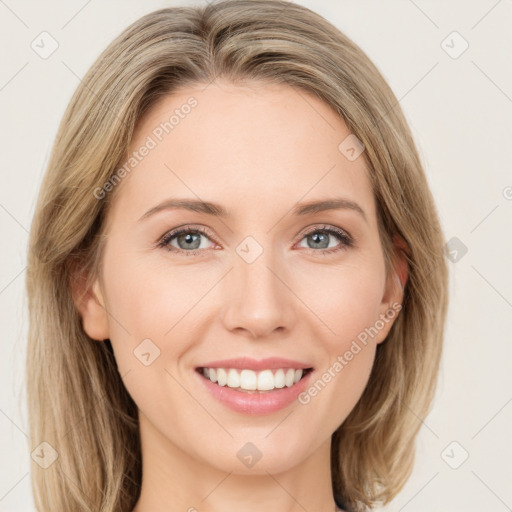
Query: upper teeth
250, 380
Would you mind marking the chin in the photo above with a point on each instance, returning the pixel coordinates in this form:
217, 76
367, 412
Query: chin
259, 455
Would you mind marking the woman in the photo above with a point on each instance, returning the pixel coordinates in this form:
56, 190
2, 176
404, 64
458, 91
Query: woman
236, 280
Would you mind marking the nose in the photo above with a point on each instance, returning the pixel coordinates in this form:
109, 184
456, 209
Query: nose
258, 299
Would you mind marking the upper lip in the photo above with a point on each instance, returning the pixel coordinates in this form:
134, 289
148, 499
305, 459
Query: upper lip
242, 363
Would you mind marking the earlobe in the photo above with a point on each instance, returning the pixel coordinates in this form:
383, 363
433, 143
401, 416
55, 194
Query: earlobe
91, 306
395, 285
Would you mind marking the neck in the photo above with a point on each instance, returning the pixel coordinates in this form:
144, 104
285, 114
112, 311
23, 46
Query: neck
175, 481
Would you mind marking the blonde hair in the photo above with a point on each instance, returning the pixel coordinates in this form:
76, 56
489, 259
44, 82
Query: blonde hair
77, 401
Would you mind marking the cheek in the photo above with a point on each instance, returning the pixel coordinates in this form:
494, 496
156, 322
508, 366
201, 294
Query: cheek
144, 307
152, 300
149, 297
346, 298
138, 303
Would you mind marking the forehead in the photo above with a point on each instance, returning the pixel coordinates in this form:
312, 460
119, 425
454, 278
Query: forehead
238, 145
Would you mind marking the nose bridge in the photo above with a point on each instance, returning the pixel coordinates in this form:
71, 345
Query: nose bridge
257, 299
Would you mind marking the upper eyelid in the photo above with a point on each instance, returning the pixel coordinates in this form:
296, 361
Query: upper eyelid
189, 227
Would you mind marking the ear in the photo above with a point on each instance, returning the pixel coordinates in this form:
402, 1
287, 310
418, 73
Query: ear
88, 299
394, 290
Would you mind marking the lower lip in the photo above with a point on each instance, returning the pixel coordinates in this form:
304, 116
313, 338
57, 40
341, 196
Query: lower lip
265, 402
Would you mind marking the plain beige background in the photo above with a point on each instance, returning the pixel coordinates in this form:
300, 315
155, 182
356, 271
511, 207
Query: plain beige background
458, 101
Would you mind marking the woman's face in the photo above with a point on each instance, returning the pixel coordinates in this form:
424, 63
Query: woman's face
258, 273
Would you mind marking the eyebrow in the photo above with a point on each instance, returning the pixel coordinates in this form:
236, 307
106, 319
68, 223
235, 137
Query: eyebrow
216, 210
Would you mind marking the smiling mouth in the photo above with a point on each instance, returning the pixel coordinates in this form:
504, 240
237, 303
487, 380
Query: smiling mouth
250, 381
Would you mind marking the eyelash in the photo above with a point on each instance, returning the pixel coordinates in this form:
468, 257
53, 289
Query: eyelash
346, 240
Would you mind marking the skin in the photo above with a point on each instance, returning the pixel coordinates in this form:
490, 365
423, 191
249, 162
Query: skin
257, 150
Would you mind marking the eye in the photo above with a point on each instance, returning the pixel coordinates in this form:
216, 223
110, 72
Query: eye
188, 240
185, 240
320, 238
